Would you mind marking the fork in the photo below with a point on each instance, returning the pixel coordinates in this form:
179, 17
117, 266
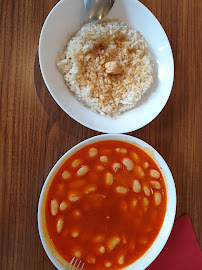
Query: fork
73, 264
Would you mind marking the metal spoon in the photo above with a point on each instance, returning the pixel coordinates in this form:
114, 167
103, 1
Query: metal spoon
97, 9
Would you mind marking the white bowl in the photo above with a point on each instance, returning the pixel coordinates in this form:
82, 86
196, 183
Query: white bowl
164, 233
67, 17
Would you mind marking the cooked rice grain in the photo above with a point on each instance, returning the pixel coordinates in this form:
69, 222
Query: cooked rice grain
107, 66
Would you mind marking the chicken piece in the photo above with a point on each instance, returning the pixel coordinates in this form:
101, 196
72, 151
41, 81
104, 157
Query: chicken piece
112, 68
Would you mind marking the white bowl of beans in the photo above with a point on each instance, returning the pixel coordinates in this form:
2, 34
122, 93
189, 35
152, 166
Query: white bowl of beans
109, 201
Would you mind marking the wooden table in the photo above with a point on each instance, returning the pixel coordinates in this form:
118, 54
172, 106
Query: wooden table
35, 132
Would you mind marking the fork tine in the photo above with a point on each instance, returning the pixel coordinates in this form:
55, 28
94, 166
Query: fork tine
74, 264
70, 264
82, 266
78, 265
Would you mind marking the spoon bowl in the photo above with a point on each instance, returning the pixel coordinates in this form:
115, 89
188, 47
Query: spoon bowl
97, 9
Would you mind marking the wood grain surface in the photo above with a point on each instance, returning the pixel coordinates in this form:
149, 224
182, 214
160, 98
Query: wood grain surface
35, 132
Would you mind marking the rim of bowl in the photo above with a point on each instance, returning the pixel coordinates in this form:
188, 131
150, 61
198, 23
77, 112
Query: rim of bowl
146, 259
126, 130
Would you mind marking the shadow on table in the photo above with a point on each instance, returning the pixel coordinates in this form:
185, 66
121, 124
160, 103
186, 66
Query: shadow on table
55, 113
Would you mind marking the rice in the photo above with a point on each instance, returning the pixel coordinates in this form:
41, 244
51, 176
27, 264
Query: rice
107, 66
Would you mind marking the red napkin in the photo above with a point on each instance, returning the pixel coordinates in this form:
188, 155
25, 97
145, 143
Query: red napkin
182, 251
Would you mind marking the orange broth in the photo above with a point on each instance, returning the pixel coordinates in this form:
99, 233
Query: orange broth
101, 215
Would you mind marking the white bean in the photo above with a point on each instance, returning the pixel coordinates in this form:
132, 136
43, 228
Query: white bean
135, 157
104, 159
73, 197
109, 179
155, 174
99, 238
121, 189
76, 163
100, 168
102, 249
145, 202
155, 184
91, 259
146, 165
54, 207
147, 191
66, 175
113, 242
63, 206
121, 150
93, 152
60, 224
76, 213
77, 254
116, 166
134, 202
128, 163
75, 234
108, 264
123, 238
136, 186
90, 189
157, 198
140, 171
83, 170
121, 260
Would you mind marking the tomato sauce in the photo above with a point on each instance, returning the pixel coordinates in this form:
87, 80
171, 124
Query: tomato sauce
107, 222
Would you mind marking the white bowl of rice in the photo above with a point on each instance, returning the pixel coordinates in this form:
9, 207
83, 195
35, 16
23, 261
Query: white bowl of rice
114, 76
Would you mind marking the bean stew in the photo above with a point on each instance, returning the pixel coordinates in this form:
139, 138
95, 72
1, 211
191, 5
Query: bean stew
106, 205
